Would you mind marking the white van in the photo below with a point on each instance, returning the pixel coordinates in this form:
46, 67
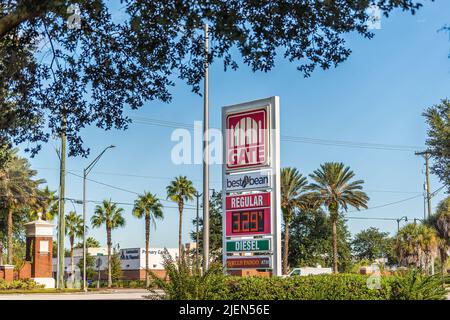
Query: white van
306, 271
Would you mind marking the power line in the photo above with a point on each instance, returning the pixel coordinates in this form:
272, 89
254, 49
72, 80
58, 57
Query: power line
297, 139
395, 202
117, 188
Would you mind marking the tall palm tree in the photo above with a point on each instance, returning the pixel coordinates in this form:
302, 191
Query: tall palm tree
74, 229
17, 188
440, 222
333, 187
45, 203
415, 245
110, 215
293, 185
180, 190
149, 207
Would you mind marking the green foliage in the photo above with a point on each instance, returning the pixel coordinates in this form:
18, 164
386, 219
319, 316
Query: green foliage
116, 268
438, 142
26, 284
91, 271
412, 286
186, 282
19, 189
311, 241
149, 45
416, 285
415, 245
371, 244
440, 222
91, 242
215, 227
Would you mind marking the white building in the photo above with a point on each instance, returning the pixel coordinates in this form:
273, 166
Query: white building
132, 261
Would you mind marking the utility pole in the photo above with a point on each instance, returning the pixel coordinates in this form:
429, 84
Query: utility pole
206, 158
61, 220
426, 156
424, 201
197, 240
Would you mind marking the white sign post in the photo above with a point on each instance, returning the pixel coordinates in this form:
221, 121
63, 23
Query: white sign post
252, 165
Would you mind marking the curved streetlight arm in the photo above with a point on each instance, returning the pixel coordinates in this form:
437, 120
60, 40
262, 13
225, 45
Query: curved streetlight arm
94, 162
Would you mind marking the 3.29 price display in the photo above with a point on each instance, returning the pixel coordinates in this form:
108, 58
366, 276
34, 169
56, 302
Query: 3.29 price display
248, 222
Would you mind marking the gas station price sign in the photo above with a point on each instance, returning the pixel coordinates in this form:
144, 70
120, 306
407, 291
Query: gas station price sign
250, 245
248, 214
248, 222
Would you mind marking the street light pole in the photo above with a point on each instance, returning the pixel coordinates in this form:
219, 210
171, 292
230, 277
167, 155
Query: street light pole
197, 240
398, 222
85, 174
206, 160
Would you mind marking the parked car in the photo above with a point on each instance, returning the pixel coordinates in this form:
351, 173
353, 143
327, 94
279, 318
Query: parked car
306, 271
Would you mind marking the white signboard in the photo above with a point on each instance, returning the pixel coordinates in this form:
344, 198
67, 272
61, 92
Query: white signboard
256, 180
252, 162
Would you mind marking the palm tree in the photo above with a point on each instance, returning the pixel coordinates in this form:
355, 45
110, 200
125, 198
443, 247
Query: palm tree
440, 222
415, 245
180, 190
17, 188
111, 216
147, 206
74, 229
45, 203
333, 188
293, 185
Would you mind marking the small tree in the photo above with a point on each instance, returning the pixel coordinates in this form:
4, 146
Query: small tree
91, 270
116, 268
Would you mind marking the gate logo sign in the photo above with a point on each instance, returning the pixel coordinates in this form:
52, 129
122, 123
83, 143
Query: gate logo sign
247, 139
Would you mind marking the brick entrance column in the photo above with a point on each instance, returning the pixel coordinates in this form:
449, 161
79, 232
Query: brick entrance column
39, 251
7, 272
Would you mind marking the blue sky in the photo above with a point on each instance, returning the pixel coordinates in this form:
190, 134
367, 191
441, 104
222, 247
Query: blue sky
376, 96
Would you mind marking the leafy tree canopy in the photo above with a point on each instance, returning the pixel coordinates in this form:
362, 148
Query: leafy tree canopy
86, 62
311, 244
215, 226
438, 142
371, 244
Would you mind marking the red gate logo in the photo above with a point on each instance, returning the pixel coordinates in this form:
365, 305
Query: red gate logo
247, 139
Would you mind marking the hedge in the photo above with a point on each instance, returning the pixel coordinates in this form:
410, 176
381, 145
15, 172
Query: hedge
317, 287
26, 284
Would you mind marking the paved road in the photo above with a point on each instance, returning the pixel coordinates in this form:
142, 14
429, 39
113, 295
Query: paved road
124, 294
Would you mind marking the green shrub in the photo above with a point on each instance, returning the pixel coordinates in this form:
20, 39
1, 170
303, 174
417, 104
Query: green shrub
318, 287
185, 283
414, 285
25, 284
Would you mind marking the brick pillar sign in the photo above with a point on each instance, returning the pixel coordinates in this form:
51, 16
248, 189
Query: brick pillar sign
39, 247
7, 272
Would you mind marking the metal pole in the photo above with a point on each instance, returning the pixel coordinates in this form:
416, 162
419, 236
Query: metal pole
197, 195
84, 231
427, 174
57, 240
85, 173
61, 226
206, 161
426, 155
